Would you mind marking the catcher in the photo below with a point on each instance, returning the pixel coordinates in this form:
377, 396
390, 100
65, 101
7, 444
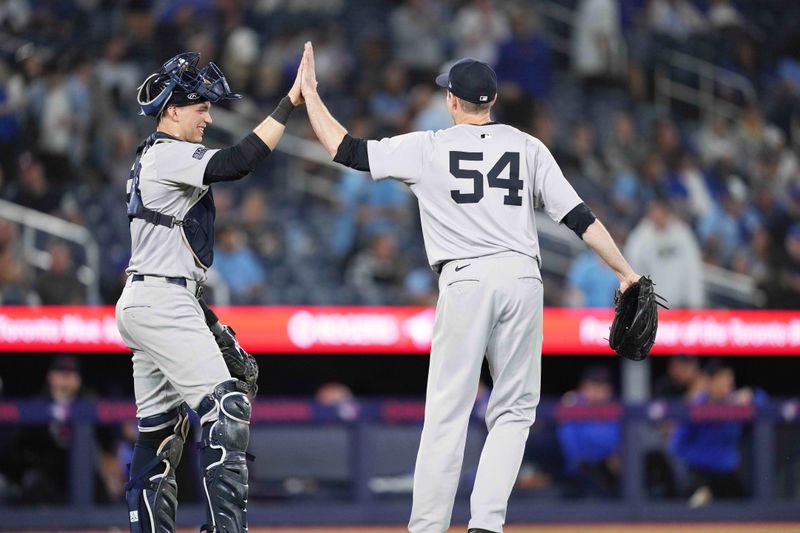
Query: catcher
177, 363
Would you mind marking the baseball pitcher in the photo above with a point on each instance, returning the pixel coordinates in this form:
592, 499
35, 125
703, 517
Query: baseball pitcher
477, 184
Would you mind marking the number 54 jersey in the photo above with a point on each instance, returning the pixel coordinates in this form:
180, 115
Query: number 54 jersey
477, 186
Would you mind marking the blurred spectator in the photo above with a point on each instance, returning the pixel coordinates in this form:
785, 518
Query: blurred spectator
416, 28
597, 48
633, 190
478, 29
625, 150
56, 122
59, 284
784, 292
754, 134
432, 114
677, 19
590, 282
591, 447
389, 104
263, 236
667, 142
115, 75
39, 462
378, 272
365, 206
689, 188
784, 105
240, 54
32, 190
334, 62
583, 161
710, 450
663, 247
238, 266
722, 15
339, 397
754, 259
716, 140
15, 283
524, 69
544, 128
684, 379
420, 288
721, 230
11, 105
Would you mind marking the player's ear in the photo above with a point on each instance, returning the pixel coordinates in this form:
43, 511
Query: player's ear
452, 101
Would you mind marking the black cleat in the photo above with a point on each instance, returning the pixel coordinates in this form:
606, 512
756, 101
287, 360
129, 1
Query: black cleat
479, 531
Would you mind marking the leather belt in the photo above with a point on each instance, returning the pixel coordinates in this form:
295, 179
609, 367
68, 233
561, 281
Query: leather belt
174, 281
192, 285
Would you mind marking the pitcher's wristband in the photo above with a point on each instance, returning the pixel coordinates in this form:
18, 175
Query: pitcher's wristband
284, 109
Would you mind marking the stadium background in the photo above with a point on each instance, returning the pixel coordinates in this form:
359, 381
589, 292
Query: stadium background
676, 121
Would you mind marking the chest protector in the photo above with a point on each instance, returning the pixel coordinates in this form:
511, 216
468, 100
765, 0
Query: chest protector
197, 225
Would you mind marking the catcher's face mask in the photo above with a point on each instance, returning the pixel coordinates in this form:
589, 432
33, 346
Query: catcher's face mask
180, 82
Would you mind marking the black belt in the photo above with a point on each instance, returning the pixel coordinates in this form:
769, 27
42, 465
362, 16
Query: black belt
438, 267
174, 281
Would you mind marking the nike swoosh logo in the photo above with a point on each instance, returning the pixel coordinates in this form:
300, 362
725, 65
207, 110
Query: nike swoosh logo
462, 267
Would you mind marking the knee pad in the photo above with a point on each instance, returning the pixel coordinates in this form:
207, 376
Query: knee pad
152, 492
224, 458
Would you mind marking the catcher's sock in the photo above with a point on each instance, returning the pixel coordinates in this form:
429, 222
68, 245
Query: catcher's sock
145, 448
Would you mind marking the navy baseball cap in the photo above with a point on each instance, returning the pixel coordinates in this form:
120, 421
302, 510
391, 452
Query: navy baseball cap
471, 80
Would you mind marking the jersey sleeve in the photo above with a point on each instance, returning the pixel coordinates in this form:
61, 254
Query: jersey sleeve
551, 189
397, 157
181, 163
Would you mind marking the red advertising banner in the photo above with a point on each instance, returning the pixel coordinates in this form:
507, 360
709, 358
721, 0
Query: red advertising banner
405, 330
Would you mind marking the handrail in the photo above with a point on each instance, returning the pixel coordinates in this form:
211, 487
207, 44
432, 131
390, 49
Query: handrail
728, 77
704, 96
560, 14
32, 219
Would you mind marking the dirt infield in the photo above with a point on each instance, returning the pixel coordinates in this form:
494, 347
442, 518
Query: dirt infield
566, 528
606, 528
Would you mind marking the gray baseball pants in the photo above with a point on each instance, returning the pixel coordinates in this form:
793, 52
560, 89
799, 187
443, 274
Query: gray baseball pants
489, 306
175, 357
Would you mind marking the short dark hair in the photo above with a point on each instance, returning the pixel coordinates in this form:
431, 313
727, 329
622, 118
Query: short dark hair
473, 108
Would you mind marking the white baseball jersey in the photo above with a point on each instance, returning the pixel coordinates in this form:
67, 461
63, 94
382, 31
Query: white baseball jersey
476, 186
171, 181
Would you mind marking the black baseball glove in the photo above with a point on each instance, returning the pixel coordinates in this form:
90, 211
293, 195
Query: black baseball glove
635, 324
241, 364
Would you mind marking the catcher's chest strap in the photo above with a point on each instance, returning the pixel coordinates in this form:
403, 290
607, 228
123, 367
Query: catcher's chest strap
159, 219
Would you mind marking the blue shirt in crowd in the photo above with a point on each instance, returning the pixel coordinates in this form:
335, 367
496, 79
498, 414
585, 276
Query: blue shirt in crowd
594, 279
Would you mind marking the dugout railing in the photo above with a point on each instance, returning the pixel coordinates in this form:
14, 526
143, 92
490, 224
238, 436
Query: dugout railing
360, 428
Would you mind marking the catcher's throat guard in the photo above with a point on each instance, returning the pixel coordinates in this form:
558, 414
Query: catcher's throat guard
633, 330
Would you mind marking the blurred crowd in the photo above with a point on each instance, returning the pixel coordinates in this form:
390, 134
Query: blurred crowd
577, 453
678, 188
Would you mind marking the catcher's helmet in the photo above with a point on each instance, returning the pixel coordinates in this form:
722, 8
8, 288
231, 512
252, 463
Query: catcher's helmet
180, 81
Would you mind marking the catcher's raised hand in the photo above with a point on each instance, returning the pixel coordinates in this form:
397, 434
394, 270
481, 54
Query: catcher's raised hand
295, 94
308, 83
